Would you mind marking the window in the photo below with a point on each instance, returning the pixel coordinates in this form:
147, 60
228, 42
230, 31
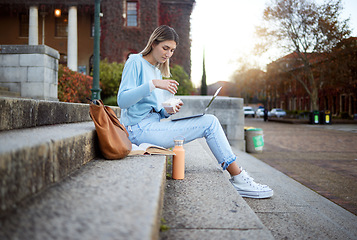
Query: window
132, 14
24, 25
61, 26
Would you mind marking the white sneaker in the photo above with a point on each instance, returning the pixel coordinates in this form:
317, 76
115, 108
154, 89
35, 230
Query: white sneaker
246, 186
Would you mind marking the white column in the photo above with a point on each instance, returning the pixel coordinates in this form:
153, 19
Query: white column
72, 44
43, 14
33, 26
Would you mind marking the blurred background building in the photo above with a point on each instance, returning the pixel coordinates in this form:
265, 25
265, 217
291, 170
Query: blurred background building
68, 27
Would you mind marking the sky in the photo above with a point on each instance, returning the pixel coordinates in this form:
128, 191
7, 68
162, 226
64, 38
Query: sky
225, 31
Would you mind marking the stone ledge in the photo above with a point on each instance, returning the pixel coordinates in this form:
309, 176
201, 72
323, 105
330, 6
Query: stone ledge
29, 49
32, 159
228, 110
18, 113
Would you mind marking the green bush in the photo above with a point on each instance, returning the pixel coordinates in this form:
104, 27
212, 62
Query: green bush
73, 86
110, 77
111, 101
291, 113
179, 74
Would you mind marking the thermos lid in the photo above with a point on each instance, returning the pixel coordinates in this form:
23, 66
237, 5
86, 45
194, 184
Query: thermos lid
178, 142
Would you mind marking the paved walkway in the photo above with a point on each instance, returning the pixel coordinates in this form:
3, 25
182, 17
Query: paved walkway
295, 211
321, 157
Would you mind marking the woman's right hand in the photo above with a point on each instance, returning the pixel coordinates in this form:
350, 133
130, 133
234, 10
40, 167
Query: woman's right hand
167, 84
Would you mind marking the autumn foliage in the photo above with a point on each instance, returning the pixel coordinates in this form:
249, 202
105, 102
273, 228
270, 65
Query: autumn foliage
73, 86
303, 27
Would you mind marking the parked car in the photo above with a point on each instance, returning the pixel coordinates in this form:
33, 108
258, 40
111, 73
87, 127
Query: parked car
248, 111
259, 112
277, 112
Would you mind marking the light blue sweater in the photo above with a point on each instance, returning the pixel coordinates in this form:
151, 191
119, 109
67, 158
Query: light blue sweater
134, 96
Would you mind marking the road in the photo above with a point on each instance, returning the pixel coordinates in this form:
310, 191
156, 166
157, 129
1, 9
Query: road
321, 157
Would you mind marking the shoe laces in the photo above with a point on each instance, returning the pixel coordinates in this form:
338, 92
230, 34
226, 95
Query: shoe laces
248, 179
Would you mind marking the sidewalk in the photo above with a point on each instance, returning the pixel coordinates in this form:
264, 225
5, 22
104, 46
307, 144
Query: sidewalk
321, 157
295, 211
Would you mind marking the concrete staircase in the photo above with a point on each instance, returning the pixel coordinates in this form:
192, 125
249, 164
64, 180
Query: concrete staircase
55, 185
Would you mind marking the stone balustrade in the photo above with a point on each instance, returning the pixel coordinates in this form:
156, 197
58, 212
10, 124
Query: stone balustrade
228, 110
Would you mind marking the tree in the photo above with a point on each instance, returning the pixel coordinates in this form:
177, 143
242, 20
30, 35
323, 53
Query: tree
305, 28
341, 72
203, 82
250, 84
249, 80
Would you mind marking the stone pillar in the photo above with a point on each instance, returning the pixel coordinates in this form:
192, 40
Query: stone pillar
33, 26
72, 44
30, 70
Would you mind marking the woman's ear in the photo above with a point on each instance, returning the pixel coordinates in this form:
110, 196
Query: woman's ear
153, 45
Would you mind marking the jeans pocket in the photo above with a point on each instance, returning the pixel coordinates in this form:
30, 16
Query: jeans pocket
135, 133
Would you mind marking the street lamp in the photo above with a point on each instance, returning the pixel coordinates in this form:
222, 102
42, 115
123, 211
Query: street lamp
96, 52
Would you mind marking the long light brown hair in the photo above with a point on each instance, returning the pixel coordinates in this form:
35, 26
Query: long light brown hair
160, 34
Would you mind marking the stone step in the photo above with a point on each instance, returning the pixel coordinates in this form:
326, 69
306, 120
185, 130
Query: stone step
32, 159
18, 113
205, 205
50, 187
120, 199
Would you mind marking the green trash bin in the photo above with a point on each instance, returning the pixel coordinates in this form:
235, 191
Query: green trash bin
254, 140
315, 117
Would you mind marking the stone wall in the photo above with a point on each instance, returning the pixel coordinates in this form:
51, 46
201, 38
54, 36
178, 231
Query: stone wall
30, 70
117, 41
178, 15
228, 110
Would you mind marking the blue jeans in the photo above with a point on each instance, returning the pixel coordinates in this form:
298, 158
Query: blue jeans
151, 130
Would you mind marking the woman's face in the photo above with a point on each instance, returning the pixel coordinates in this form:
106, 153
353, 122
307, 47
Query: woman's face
163, 51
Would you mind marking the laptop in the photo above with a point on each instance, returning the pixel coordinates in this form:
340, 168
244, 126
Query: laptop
204, 112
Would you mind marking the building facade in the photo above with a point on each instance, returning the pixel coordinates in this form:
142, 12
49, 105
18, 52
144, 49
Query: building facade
68, 27
335, 77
